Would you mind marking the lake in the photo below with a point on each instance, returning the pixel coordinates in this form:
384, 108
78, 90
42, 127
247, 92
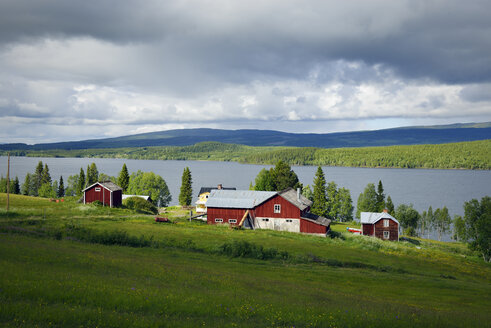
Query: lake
419, 187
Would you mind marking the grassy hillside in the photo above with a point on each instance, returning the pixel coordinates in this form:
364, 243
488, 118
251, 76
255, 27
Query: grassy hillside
62, 264
463, 155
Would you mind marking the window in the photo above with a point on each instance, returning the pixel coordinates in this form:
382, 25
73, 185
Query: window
386, 234
265, 220
277, 208
232, 221
97, 189
386, 223
218, 220
288, 220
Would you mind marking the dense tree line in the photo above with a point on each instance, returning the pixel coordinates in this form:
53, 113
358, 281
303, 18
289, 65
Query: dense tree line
39, 183
13, 185
462, 155
465, 155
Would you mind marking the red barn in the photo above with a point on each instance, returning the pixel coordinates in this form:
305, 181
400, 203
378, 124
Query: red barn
380, 225
287, 210
106, 192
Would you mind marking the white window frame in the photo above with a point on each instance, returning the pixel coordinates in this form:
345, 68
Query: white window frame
97, 189
386, 234
386, 223
218, 220
232, 220
277, 208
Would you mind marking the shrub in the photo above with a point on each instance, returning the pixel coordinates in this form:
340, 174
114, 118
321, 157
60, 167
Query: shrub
250, 250
140, 205
115, 237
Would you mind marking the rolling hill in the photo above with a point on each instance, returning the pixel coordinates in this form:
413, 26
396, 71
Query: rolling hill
184, 137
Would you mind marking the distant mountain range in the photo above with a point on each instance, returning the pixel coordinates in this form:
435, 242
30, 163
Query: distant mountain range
387, 137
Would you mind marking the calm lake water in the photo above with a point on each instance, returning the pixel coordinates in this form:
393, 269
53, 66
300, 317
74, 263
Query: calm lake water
419, 187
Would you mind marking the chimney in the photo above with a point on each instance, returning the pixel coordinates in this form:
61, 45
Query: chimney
298, 194
385, 210
219, 186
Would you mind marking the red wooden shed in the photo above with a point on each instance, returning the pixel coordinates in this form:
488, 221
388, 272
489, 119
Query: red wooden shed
380, 225
287, 210
106, 192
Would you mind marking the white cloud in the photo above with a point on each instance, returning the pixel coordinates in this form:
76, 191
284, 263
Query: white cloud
281, 65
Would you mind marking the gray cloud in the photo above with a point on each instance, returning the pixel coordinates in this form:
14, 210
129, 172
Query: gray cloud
447, 41
139, 66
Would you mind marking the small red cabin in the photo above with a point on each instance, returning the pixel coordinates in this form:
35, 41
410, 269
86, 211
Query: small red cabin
107, 192
287, 210
380, 225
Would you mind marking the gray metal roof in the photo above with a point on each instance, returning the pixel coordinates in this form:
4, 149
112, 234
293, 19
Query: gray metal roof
316, 219
299, 201
208, 189
372, 218
109, 185
247, 199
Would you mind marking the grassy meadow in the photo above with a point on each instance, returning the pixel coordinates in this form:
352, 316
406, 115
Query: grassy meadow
73, 265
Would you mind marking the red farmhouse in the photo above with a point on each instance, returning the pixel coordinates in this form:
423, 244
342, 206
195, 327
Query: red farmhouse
284, 211
380, 225
106, 192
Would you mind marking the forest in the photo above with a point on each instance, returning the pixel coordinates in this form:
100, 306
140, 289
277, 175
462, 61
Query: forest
473, 155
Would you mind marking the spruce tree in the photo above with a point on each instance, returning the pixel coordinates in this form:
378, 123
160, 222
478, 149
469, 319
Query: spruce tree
38, 175
124, 178
186, 194
81, 182
61, 188
319, 206
16, 188
45, 177
26, 186
390, 206
380, 196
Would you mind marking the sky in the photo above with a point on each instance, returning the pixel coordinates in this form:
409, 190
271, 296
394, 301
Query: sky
76, 70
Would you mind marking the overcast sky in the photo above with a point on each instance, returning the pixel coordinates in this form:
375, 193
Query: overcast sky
73, 70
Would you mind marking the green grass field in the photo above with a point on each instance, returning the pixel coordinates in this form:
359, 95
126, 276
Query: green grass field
62, 264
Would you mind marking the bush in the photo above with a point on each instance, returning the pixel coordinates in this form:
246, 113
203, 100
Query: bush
116, 237
97, 203
140, 205
249, 250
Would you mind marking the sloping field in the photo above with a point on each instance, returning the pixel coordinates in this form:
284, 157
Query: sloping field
62, 264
